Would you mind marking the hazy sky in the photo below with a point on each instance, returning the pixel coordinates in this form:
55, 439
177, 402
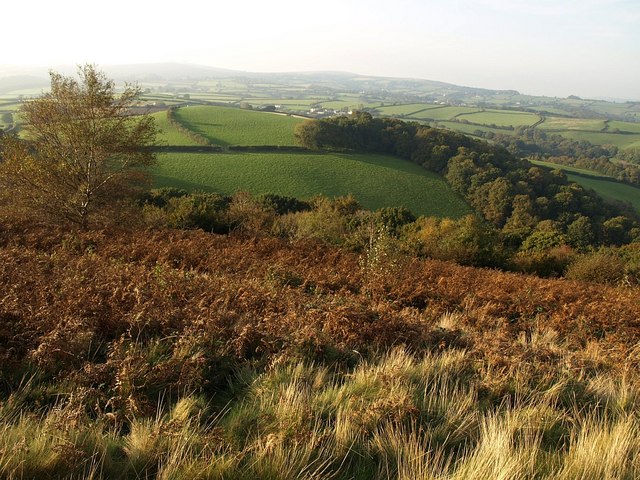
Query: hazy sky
554, 47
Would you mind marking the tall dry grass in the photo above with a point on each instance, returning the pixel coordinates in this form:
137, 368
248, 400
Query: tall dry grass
186, 355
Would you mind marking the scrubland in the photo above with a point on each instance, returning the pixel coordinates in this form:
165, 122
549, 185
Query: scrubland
181, 354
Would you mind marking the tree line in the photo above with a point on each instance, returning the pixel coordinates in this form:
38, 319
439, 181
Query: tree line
555, 148
530, 206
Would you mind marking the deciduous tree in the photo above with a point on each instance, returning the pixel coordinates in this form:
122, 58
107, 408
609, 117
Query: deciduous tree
83, 148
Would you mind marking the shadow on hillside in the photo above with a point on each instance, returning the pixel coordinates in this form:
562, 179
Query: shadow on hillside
388, 161
163, 181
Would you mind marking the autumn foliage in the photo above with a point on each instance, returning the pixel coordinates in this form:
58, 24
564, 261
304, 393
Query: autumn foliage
69, 296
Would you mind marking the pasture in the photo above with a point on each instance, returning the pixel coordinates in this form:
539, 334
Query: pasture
501, 118
559, 123
570, 169
604, 186
470, 129
375, 180
444, 113
170, 135
350, 103
405, 109
609, 189
604, 138
630, 127
232, 126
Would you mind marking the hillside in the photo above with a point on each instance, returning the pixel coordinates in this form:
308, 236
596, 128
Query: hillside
190, 355
326, 285
376, 181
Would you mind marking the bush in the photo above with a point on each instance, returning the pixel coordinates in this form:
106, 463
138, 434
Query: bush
597, 267
394, 218
467, 241
249, 215
160, 197
282, 205
208, 211
551, 262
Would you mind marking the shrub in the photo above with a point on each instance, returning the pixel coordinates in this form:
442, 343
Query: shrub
249, 215
394, 218
551, 262
597, 267
160, 197
208, 211
468, 241
282, 205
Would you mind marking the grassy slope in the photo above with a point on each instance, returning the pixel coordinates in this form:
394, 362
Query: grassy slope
232, 126
610, 189
597, 138
569, 169
164, 354
471, 129
169, 135
625, 126
558, 123
501, 118
375, 180
404, 109
444, 113
604, 186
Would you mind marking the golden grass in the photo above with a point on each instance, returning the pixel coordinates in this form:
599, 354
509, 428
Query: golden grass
183, 355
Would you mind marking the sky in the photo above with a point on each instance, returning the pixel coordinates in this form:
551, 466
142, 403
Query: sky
589, 48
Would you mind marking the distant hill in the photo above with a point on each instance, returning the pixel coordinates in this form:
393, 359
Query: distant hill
20, 82
179, 72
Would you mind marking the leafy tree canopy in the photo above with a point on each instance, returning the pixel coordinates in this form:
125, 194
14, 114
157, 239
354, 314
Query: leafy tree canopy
83, 148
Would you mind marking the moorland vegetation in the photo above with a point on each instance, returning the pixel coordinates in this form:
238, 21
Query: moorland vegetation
179, 335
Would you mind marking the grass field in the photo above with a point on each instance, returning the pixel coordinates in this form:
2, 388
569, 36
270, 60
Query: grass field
569, 169
605, 186
625, 126
375, 180
550, 109
610, 189
598, 138
169, 135
349, 103
406, 109
444, 113
501, 118
232, 126
471, 129
558, 123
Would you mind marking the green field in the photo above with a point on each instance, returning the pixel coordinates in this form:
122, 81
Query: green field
444, 113
569, 169
471, 129
550, 109
501, 118
406, 109
169, 135
375, 180
558, 123
610, 189
233, 126
599, 138
349, 103
605, 186
625, 126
